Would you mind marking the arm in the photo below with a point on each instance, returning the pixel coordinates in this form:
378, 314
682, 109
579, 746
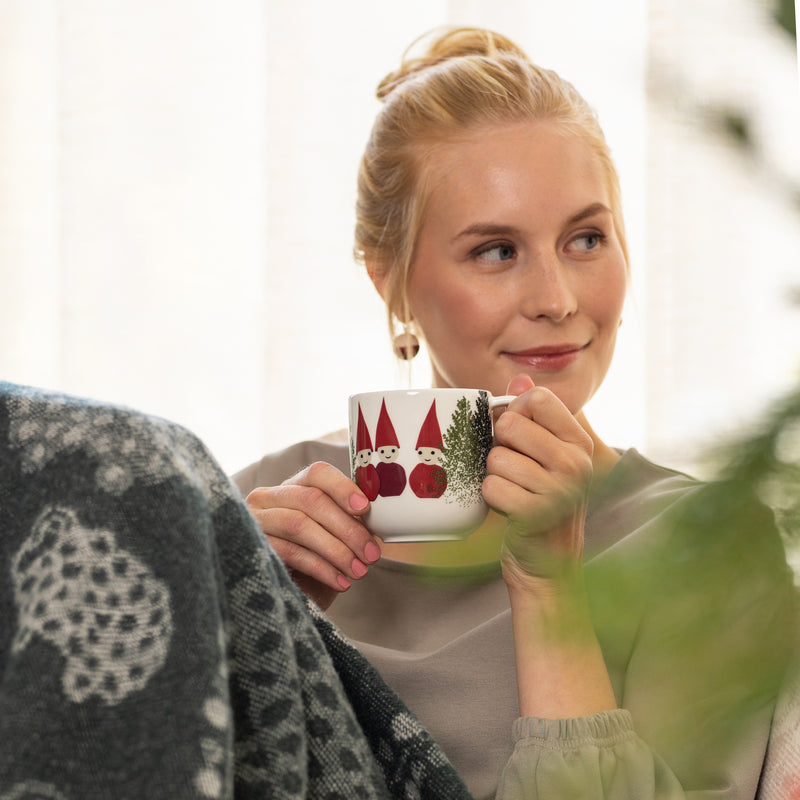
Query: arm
701, 692
561, 672
539, 474
703, 656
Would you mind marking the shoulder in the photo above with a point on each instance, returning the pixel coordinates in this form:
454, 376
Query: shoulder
717, 526
636, 474
636, 492
679, 518
274, 468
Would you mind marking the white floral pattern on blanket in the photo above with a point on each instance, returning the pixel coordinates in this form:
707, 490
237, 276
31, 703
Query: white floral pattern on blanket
98, 604
127, 446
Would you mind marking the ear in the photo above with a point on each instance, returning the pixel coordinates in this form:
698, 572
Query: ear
379, 275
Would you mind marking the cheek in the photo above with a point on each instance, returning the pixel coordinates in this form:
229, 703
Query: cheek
607, 298
454, 307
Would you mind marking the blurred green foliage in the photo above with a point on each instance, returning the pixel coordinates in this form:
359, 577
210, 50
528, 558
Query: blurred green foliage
705, 602
768, 459
785, 15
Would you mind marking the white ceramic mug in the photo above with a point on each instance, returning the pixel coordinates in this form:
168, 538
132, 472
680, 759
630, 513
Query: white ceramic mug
420, 457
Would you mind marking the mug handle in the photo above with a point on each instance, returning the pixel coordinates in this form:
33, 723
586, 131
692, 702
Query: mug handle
503, 400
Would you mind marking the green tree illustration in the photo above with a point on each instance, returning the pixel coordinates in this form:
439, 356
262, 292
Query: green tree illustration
466, 444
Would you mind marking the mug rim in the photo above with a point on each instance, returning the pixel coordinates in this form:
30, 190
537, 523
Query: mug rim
413, 392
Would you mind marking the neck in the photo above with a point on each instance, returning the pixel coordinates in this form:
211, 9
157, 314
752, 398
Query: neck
603, 456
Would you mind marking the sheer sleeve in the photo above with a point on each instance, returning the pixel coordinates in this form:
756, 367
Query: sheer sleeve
591, 757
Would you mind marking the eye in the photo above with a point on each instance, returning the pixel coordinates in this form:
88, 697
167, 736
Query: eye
497, 252
587, 242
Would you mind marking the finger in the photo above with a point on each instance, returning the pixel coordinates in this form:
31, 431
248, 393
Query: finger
519, 468
307, 565
545, 408
520, 487
306, 546
330, 498
519, 434
335, 484
309, 518
533, 513
350, 499
529, 481
515, 431
520, 384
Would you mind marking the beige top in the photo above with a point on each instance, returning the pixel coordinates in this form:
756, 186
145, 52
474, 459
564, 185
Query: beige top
683, 629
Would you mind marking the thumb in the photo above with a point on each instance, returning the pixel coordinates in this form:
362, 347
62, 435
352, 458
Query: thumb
519, 384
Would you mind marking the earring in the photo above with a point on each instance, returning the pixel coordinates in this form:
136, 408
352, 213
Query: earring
405, 344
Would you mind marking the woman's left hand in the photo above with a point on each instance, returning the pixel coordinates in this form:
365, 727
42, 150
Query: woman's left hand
538, 475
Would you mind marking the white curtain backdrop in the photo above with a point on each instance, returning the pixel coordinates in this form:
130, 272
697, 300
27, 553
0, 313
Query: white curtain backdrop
176, 205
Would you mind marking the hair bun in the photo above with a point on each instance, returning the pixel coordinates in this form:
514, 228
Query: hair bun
453, 43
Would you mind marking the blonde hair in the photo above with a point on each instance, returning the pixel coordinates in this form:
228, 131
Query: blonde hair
466, 78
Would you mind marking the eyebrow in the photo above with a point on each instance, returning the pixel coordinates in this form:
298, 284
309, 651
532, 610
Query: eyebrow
490, 229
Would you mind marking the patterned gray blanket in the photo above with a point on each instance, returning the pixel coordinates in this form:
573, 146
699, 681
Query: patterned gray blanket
151, 643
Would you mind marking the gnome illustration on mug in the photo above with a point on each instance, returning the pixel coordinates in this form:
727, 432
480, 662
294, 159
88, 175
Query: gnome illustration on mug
392, 475
366, 475
428, 478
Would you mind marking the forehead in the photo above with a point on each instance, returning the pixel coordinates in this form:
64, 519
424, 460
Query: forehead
537, 166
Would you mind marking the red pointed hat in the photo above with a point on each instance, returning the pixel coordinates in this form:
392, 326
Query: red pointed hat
429, 434
363, 442
384, 433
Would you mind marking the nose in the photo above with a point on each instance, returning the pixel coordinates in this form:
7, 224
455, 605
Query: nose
547, 292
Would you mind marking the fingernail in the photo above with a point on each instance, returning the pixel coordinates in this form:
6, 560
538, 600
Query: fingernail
343, 582
359, 569
372, 552
358, 502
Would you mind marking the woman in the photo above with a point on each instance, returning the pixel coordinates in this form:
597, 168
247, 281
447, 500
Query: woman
592, 614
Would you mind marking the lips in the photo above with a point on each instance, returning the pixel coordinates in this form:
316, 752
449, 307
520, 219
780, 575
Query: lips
548, 358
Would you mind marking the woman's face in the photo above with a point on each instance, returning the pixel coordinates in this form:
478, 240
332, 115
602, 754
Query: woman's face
518, 267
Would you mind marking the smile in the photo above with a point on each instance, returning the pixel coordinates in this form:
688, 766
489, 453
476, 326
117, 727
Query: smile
547, 359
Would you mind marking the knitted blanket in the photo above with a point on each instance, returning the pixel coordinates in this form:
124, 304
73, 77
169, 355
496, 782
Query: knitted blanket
151, 643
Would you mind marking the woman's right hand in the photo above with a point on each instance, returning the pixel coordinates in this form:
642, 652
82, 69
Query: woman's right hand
312, 522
